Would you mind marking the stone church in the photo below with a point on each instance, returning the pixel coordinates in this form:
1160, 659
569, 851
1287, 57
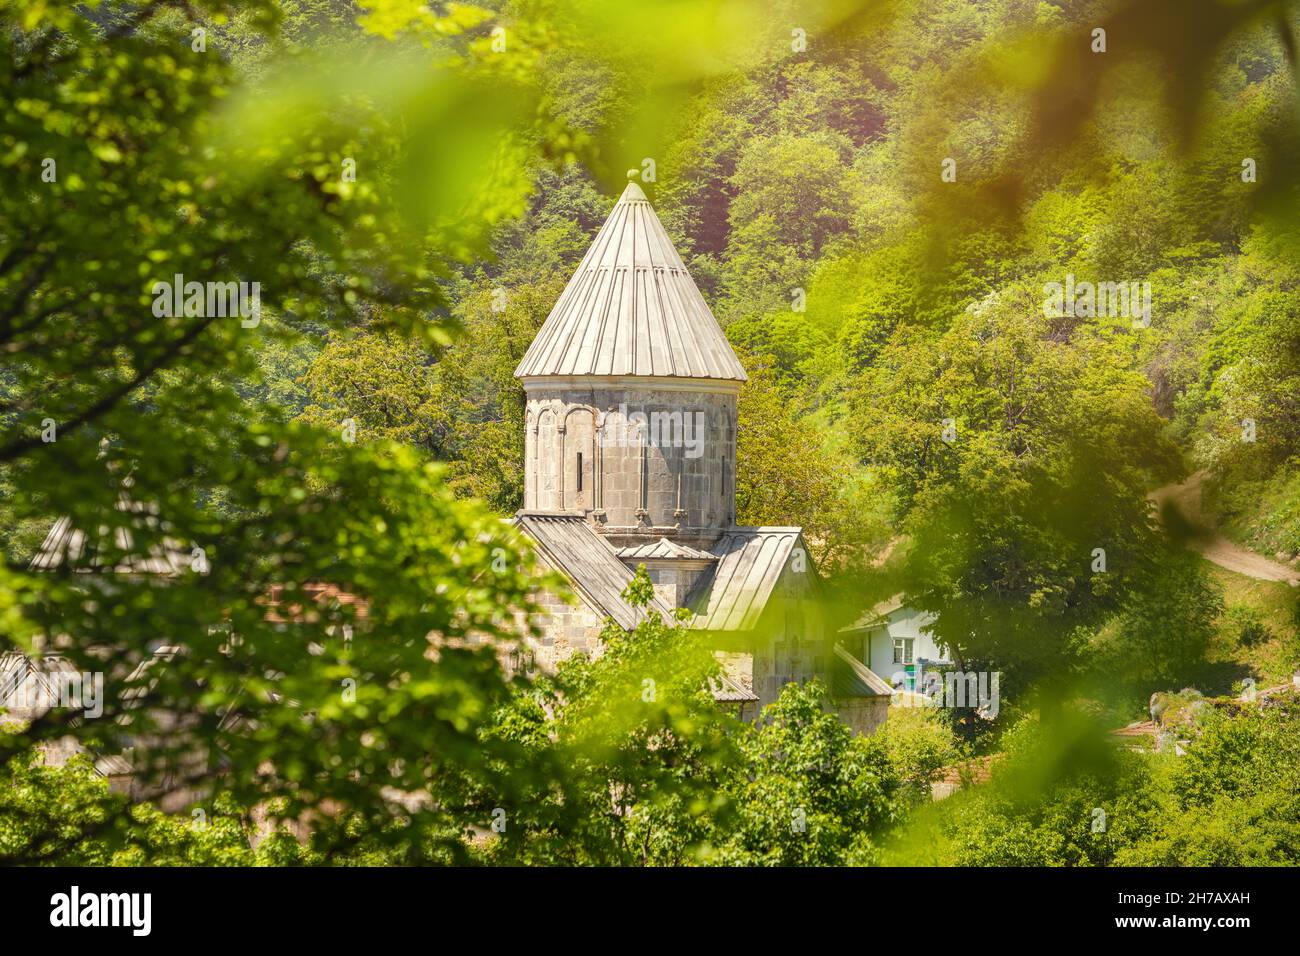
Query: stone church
630, 460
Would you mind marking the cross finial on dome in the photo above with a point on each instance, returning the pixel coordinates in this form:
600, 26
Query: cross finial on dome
633, 193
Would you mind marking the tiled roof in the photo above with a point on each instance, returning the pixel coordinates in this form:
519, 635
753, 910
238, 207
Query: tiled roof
975, 770
631, 309
569, 544
1141, 728
663, 549
750, 562
319, 593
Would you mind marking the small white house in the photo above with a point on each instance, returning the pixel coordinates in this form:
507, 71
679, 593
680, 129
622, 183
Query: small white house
891, 638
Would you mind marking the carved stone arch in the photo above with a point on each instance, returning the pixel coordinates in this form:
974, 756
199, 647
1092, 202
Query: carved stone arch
619, 482
578, 459
546, 494
587, 410
530, 459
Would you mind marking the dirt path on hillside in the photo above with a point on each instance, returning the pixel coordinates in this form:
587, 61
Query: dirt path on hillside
1185, 498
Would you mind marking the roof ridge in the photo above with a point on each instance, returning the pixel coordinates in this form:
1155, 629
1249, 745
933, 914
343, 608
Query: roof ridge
565, 543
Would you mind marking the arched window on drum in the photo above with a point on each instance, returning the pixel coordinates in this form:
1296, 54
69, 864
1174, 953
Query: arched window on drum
579, 459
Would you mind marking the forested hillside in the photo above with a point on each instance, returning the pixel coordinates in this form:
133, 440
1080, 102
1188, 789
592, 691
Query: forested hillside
914, 221
875, 221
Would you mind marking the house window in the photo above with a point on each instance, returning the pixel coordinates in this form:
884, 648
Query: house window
579, 471
903, 650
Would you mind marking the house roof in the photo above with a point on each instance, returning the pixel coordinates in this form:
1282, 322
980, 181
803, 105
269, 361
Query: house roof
729, 691
849, 677
664, 550
66, 547
631, 309
17, 669
319, 593
750, 561
14, 668
569, 544
875, 614
114, 765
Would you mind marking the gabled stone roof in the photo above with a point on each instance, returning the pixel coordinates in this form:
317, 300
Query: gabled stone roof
567, 543
20, 674
631, 309
663, 550
750, 563
849, 677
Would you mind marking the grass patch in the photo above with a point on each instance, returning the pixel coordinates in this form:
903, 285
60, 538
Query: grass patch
1262, 514
1269, 645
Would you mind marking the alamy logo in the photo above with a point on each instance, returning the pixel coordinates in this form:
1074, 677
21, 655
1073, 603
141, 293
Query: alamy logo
675, 429
978, 690
68, 690
72, 909
1128, 300
208, 300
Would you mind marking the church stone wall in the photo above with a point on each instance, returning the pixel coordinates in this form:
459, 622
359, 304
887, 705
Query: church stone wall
633, 454
566, 629
673, 580
791, 643
863, 715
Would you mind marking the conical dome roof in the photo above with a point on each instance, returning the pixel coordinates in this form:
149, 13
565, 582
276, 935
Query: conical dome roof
631, 309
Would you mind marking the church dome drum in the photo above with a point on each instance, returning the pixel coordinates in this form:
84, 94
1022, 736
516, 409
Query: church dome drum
631, 392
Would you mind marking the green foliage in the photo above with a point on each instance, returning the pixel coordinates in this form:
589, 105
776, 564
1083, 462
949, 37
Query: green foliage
1232, 800
402, 299
67, 816
1161, 637
1051, 445
787, 473
797, 183
169, 162
380, 385
666, 777
1067, 797
814, 793
920, 744
645, 744
1248, 625
1060, 795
